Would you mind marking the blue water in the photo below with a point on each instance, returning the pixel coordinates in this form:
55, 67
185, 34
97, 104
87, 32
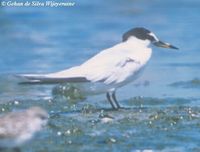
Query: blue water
162, 111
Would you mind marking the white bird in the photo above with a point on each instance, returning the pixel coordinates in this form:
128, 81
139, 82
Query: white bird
16, 128
110, 69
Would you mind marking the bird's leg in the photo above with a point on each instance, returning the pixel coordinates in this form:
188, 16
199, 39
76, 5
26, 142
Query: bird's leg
115, 100
109, 99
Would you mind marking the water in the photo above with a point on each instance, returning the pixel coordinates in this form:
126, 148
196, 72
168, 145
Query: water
161, 109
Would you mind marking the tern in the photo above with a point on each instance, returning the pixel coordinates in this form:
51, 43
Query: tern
111, 68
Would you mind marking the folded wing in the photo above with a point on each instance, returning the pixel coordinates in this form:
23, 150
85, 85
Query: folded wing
71, 75
115, 71
109, 66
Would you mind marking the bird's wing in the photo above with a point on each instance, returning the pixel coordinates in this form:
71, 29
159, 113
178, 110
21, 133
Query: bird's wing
69, 75
112, 71
46, 80
110, 65
74, 74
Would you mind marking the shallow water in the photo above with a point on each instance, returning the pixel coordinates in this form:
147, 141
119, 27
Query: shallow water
161, 109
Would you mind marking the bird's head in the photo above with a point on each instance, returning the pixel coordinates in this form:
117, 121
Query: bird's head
144, 34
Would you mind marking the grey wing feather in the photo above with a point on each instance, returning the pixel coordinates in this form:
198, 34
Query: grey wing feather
49, 80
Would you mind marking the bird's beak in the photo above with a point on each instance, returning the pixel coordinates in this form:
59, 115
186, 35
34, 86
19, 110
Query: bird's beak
164, 45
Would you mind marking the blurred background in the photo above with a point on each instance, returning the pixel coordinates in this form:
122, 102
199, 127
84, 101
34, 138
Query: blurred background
44, 39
